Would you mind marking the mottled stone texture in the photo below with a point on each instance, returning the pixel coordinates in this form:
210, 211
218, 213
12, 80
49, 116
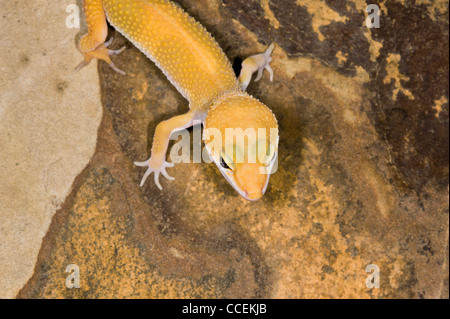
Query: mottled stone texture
48, 134
362, 179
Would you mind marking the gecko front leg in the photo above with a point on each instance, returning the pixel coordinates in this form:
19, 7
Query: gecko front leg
258, 62
157, 162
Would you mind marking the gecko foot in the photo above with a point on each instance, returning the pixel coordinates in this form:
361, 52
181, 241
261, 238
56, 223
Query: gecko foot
159, 170
102, 53
258, 62
266, 65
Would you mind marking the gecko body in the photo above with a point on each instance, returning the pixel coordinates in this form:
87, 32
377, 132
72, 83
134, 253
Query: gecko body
194, 63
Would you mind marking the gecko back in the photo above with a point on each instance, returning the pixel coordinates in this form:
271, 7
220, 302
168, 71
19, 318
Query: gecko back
182, 48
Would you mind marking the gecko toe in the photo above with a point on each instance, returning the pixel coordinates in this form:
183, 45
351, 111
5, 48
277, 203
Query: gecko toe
166, 175
116, 69
168, 164
116, 52
108, 43
141, 164
82, 65
158, 184
146, 175
270, 70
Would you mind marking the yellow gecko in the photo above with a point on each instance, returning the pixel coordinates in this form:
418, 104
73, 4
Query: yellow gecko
194, 63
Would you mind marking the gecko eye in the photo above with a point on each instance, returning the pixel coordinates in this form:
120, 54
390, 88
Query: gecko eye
224, 164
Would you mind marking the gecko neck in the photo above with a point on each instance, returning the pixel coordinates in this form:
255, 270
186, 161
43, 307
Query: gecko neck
225, 96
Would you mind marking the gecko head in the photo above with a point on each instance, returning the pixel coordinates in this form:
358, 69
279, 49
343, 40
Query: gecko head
241, 136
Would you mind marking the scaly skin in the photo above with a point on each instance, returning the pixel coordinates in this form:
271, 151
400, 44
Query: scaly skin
194, 63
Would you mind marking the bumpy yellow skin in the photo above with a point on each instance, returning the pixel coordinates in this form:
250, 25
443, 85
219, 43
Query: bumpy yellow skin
192, 61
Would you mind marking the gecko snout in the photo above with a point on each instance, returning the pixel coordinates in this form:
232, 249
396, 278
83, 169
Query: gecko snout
251, 181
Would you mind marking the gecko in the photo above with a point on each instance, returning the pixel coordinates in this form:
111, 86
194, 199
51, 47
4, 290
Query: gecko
194, 63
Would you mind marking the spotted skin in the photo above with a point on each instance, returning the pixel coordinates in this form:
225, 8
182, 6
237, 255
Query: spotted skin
193, 62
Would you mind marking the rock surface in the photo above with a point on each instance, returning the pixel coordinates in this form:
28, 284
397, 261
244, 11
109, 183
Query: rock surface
362, 178
49, 117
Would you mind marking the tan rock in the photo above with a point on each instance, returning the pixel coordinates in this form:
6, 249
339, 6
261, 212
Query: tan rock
49, 116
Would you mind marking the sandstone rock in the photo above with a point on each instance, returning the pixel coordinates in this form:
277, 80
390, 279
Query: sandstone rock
49, 116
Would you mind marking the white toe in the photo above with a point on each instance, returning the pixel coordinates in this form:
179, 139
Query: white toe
166, 175
157, 181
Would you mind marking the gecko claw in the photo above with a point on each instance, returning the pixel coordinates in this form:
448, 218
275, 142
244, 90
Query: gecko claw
157, 171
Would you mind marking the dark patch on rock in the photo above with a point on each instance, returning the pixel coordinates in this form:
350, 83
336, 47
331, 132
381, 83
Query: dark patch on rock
419, 139
297, 37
